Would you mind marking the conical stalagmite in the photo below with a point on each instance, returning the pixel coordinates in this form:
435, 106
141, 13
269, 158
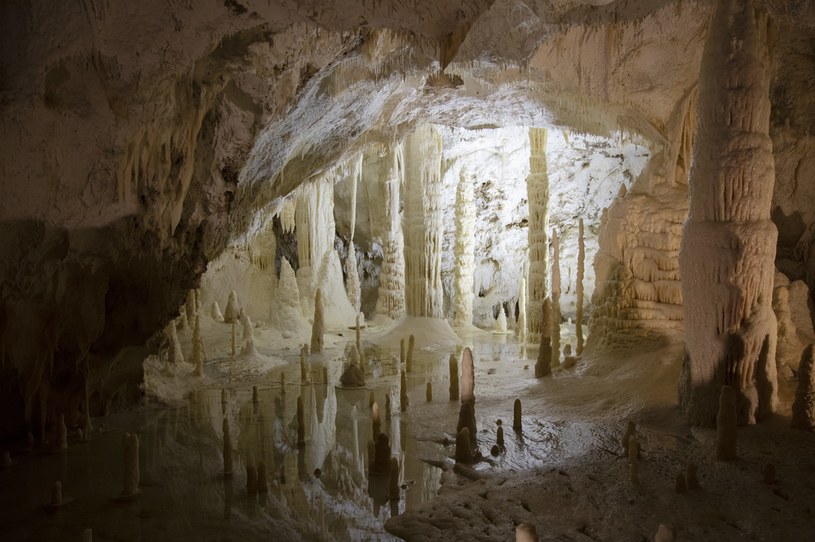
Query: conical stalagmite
467, 377
726, 421
233, 308
318, 325
215, 312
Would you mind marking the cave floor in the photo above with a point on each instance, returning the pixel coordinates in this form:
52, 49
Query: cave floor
565, 471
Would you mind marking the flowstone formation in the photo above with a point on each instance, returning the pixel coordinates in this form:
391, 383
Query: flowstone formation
728, 245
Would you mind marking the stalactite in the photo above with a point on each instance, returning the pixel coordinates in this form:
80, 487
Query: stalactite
391, 299
423, 222
556, 315
581, 265
537, 187
464, 251
727, 253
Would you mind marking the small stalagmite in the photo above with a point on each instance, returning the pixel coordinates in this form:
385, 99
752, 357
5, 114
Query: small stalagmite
376, 422
394, 482
301, 423
463, 452
453, 377
517, 423
803, 407
62, 433
403, 395
215, 312
246, 325
467, 377
227, 448
174, 352
526, 532
429, 392
556, 315
466, 418
232, 310
352, 377
409, 359
318, 324
303, 366
130, 477
726, 420
263, 482
664, 534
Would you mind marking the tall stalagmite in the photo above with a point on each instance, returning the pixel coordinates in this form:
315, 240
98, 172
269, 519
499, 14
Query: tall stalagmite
315, 231
391, 299
352, 285
423, 222
556, 315
537, 188
464, 249
581, 270
728, 244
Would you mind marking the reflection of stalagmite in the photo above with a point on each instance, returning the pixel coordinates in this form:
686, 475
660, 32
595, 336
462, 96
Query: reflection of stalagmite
353, 288
227, 448
301, 423
131, 465
317, 326
262, 478
464, 251
394, 481
409, 359
727, 254
251, 475
453, 377
358, 333
423, 225
537, 187
403, 396
581, 265
556, 316
234, 339
429, 392
467, 377
198, 348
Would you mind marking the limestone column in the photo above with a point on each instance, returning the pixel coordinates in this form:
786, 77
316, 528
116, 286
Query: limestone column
423, 222
537, 188
315, 229
728, 245
464, 249
391, 296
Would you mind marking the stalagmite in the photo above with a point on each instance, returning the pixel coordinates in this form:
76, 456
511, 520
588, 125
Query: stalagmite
183, 322
301, 423
223, 400
191, 306
543, 366
315, 231
453, 377
174, 353
556, 316
227, 448
215, 312
727, 254
358, 335
303, 365
501, 321
283, 383
526, 532
522, 312
353, 288
466, 418
726, 421
352, 377
429, 392
463, 452
409, 359
517, 423
376, 422
232, 311
464, 251
403, 396
391, 296
130, 469
62, 433
537, 188
803, 407
287, 312
789, 346
499, 437
664, 534
423, 227
581, 266
467, 377
197, 348
246, 324
317, 325
393, 490
633, 459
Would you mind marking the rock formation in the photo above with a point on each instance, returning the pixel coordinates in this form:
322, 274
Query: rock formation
543, 365
581, 270
517, 422
233, 308
464, 251
454, 392
391, 296
556, 315
803, 408
538, 196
